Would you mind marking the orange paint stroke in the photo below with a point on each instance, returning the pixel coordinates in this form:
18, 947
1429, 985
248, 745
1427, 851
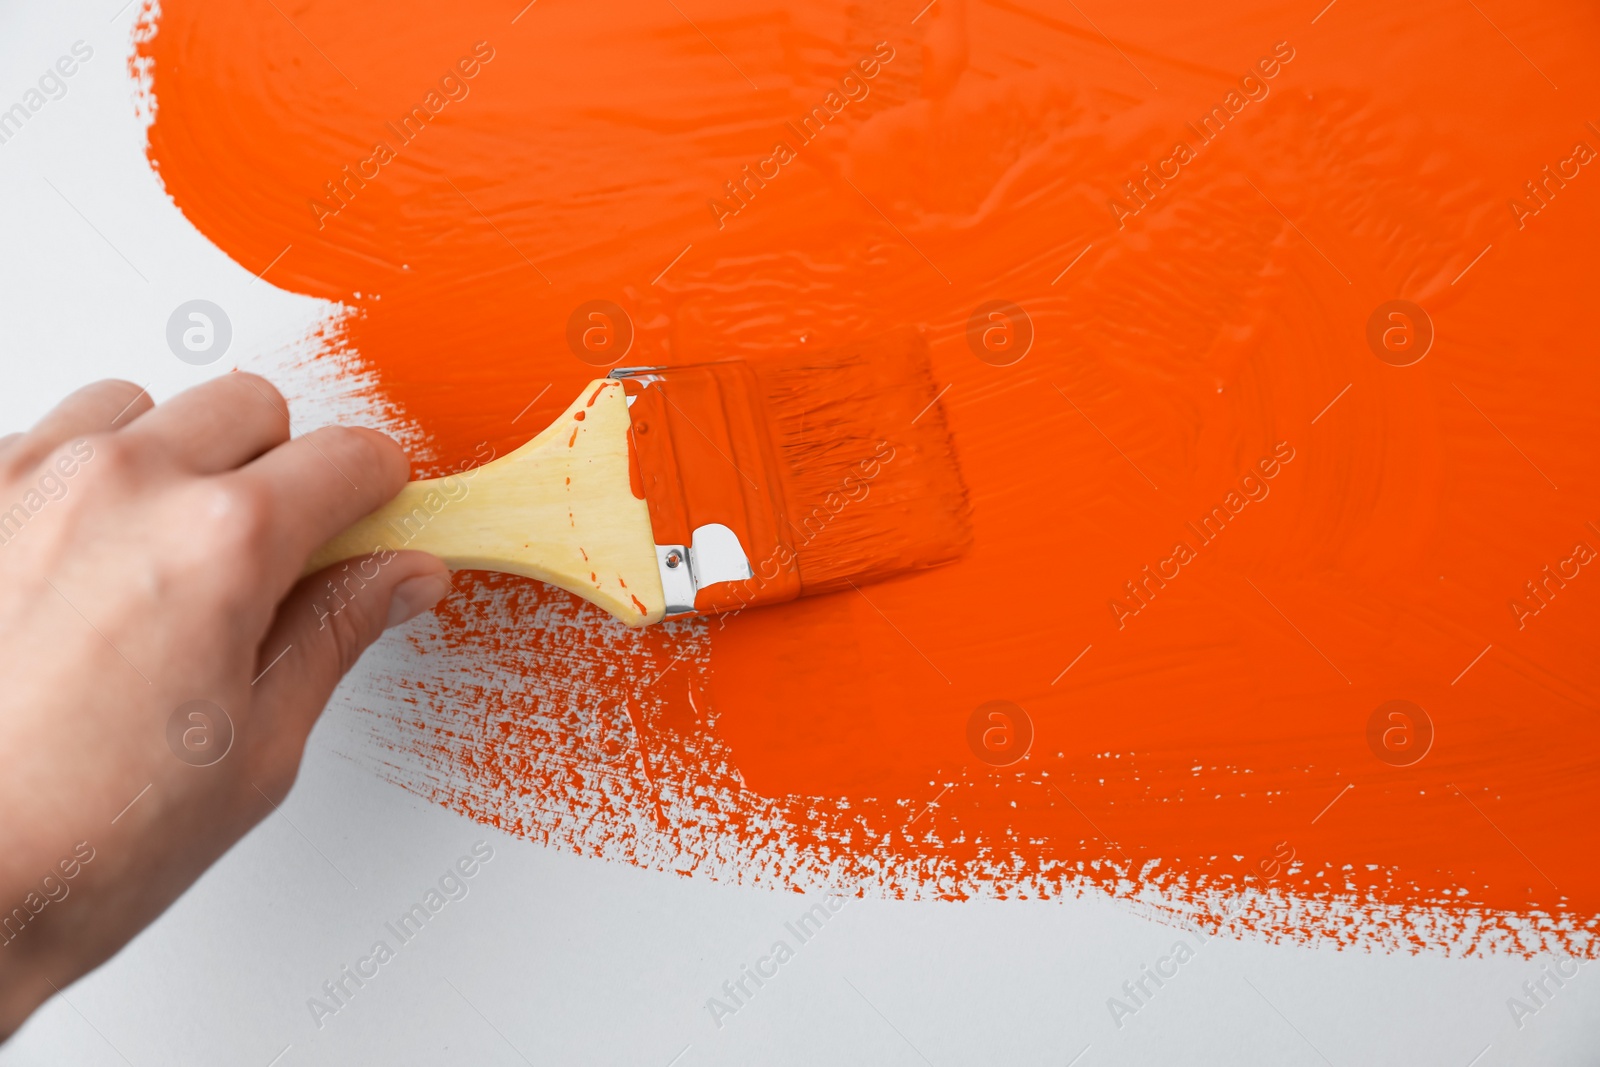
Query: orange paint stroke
1210, 756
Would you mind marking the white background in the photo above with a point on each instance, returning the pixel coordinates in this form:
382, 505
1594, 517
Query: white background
551, 958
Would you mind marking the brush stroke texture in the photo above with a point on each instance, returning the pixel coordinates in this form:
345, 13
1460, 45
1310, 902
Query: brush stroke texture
823, 743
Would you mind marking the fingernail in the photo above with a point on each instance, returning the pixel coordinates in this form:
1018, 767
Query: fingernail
414, 596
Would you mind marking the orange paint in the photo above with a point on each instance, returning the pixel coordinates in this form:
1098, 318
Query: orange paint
1200, 724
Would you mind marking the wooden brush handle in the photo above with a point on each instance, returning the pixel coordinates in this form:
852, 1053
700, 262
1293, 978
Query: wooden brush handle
560, 509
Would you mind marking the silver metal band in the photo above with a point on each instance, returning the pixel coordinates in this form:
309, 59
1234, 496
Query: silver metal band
714, 556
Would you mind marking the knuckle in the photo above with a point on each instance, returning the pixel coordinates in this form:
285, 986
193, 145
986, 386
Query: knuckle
100, 458
237, 516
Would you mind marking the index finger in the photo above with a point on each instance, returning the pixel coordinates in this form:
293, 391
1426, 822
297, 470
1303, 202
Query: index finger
320, 483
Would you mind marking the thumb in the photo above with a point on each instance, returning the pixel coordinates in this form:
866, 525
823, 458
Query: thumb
321, 629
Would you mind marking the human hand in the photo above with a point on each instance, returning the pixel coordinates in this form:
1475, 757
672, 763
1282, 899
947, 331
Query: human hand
151, 558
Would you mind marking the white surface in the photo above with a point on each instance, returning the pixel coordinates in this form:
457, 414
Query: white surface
551, 958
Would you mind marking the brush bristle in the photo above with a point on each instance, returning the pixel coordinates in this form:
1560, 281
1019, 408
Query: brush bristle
870, 477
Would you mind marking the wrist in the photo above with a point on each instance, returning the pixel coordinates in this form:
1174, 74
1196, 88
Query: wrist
30, 905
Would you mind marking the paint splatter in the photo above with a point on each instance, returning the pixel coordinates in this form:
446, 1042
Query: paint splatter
1198, 213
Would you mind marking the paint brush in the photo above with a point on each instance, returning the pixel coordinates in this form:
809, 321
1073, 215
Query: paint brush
669, 491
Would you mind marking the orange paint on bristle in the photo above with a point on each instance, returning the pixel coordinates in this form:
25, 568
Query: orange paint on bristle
870, 479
